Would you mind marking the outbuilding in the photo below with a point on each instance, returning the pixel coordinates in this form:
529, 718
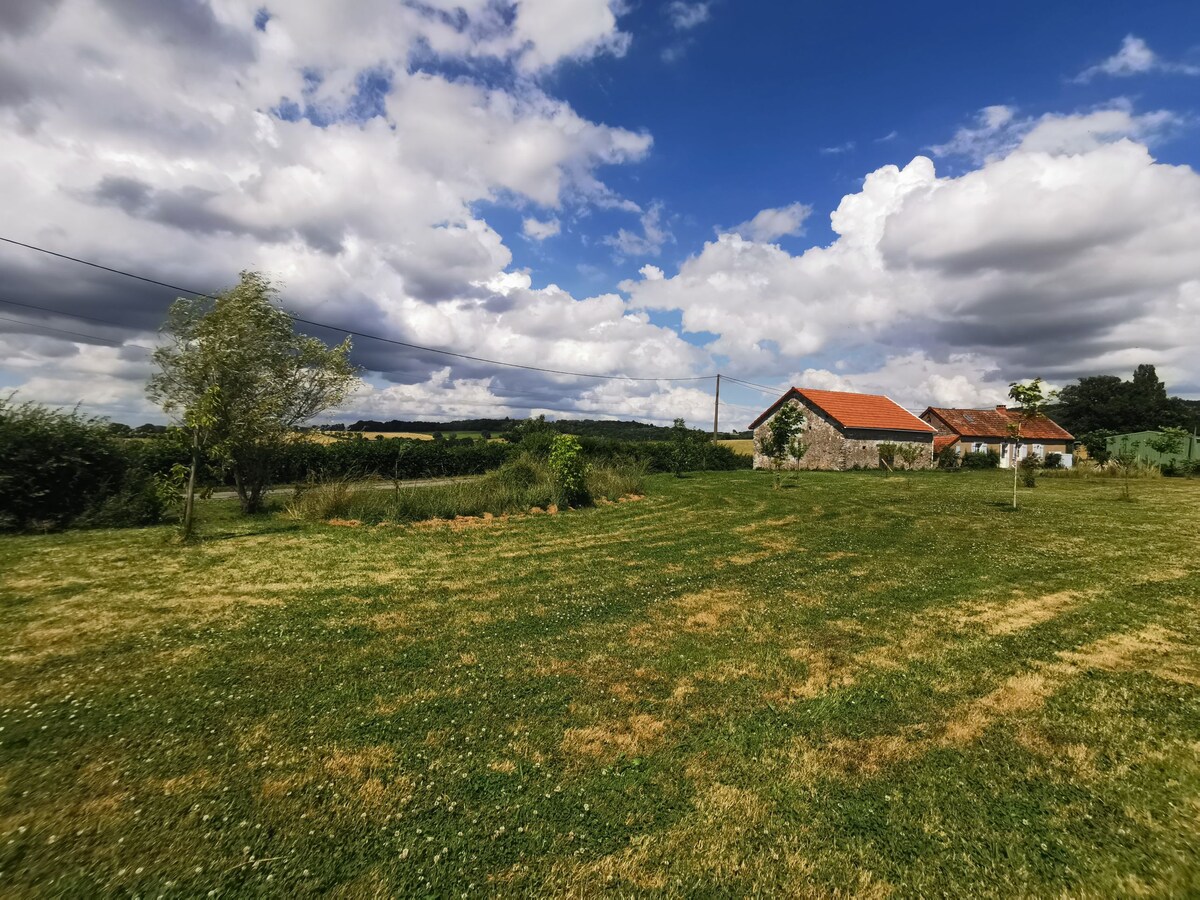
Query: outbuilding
844, 430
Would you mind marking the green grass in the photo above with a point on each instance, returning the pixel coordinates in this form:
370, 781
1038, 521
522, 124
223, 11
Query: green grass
862, 684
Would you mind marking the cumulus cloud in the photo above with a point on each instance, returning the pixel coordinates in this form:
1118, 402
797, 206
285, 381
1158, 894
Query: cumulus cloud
771, 224
1134, 58
650, 242
307, 143
539, 230
998, 130
1071, 253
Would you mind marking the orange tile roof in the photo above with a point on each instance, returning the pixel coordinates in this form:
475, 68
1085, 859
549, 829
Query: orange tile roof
994, 423
872, 412
942, 441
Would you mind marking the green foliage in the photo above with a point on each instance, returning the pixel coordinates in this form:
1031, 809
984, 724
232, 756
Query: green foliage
1096, 444
1053, 461
949, 458
982, 459
1169, 440
887, 453
1106, 403
1033, 401
239, 379
62, 468
569, 470
782, 442
1029, 468
909, 453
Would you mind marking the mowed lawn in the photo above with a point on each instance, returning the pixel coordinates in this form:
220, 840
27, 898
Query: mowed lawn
866, 684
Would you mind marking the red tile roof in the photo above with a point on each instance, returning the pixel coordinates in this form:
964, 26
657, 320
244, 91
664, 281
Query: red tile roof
993, 423
865, 411
942, 441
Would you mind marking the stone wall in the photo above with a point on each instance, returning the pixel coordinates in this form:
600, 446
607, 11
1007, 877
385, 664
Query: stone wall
831, 448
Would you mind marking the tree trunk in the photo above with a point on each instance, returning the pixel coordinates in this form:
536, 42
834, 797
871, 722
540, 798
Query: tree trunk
189, 500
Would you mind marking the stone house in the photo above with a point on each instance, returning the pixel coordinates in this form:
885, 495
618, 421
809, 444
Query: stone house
981, 430
844, 430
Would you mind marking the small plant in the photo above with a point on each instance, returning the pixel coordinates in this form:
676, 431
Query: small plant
1029, 467
1126, 460
887, 454
568, 469
782, 443
909, 454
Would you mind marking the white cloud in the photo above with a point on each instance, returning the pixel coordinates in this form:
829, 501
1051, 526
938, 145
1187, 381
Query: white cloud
998, 131
172, 164
686, 16
771, 224
539, 230
838, 149
649, 243
1134, 58
1071, 253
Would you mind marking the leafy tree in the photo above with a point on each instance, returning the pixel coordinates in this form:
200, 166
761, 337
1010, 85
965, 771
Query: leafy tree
239, 380
887, 453
1105, 402
1032, 400
909, 454
782, 442
1168, 441
681, 449
1096, 444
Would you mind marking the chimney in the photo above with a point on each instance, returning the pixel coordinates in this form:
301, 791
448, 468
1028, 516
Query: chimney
1000, 407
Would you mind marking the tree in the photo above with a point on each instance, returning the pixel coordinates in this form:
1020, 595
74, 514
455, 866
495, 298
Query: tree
1105, 402
909, 454
1032, 401
1127, 459
1096, 444
782, 442
681, 447
238, 379
1168, 441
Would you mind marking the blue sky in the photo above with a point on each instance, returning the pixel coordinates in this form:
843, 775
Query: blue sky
758, 91
926, 201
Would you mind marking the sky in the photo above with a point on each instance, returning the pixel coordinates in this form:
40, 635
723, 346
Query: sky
927, 201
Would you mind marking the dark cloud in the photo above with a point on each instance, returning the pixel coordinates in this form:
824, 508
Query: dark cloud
187, 24
21, 17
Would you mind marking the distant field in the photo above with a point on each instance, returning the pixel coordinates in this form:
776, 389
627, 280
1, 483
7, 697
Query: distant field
859, 685
744, 447
322, 437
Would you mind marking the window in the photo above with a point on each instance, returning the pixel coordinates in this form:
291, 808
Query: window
979, 447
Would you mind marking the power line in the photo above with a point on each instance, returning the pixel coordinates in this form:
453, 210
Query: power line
339, 328
750, 384
78, 334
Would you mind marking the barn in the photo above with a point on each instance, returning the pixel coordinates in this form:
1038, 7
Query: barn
844, 430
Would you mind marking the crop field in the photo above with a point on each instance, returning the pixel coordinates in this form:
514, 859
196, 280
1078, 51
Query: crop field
859, 685
741, 446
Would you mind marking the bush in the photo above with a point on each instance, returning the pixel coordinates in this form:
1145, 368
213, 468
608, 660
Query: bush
1053, 461
984, 459
1028, 468
57, 468
948, 458
568, 469
887, 454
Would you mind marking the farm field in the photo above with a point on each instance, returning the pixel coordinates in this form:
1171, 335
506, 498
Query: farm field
866, 684
742, 446
324, 437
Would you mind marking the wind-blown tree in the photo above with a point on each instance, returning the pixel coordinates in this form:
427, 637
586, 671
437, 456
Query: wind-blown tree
1033, 401
782, 442
239, 380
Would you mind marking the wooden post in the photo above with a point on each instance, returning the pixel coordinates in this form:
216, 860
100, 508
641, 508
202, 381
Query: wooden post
717, 408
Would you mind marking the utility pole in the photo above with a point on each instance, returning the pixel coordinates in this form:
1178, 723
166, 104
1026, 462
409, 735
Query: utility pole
717, 408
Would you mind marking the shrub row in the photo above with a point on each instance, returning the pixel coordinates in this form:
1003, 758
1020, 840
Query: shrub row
61, 468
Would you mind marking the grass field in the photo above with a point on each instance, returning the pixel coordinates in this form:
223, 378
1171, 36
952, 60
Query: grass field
741, 446
859, 684
329, 437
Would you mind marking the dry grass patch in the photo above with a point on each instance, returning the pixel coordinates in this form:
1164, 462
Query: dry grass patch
1019, 613
607, 741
